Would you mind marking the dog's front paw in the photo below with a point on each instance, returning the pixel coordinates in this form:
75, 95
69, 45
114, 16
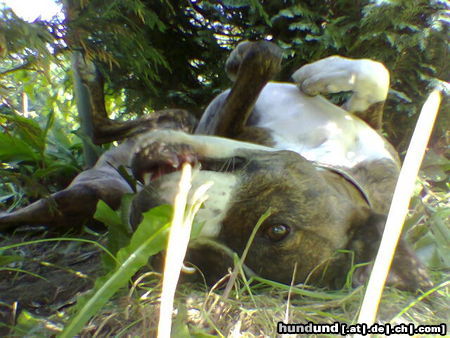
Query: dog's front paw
154, 159
367, 78
261, 57
330, 75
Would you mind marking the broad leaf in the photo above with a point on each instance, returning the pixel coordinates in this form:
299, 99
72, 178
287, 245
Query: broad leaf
149, 239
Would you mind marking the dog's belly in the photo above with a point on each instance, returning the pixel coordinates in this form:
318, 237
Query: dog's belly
315, 128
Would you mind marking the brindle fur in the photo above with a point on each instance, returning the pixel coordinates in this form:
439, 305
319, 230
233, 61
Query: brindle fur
253, 65
309, 210
324, 211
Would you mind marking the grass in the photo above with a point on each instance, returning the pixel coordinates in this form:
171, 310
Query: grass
251, 309
199, 312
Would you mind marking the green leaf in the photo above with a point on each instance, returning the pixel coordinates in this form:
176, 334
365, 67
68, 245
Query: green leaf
125, 211
118, 234
49, 123
28, 130
400, 95
14, 149
434, 173
304, 26
196, 229
106, 215
153, 221
149, 239
236, 3
180, 329
291, 12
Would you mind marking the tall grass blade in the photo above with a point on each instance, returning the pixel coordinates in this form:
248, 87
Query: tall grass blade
183, 218
399, 208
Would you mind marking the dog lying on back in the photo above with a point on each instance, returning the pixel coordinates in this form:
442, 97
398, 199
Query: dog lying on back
326, 173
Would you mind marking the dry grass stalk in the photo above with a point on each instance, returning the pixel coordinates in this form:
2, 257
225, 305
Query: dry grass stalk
399, 208
183, 217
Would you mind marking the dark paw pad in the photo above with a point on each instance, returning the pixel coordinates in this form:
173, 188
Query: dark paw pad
155, 159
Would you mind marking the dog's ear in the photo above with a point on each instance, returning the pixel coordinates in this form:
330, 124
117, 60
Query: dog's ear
406, 273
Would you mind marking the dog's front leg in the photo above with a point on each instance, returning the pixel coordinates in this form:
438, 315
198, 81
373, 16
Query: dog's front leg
171, 148
367, 79
251, 65
159, 155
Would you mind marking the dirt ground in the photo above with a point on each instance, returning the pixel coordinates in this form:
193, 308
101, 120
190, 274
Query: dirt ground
61, 271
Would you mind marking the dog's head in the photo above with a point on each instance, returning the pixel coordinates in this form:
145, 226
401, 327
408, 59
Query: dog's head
313, 214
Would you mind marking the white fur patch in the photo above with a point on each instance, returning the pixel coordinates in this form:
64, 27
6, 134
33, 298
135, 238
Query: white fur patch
215, 207
204, 145
315, 128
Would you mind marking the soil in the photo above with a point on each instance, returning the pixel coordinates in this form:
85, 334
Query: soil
62, 271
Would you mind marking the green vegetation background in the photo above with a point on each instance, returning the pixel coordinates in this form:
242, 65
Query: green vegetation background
156, 54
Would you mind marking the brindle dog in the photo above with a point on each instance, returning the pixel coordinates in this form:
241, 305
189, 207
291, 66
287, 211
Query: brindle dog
325, 172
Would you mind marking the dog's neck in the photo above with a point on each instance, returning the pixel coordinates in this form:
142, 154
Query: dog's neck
347, 185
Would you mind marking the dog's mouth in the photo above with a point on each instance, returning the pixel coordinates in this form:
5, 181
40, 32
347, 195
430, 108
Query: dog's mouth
156, 169
155, 161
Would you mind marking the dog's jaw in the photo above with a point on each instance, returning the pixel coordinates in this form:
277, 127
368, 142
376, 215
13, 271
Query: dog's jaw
220, 195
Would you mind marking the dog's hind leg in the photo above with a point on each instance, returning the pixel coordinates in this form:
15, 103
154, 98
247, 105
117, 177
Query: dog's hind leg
368, 81
76, 204
70, 207
251, 65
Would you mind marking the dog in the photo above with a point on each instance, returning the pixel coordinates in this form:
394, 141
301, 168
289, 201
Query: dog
325, 172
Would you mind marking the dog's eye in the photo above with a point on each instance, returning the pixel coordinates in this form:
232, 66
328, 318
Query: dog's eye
277, 232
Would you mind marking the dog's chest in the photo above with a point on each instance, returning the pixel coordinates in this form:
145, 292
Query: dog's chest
315, 128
